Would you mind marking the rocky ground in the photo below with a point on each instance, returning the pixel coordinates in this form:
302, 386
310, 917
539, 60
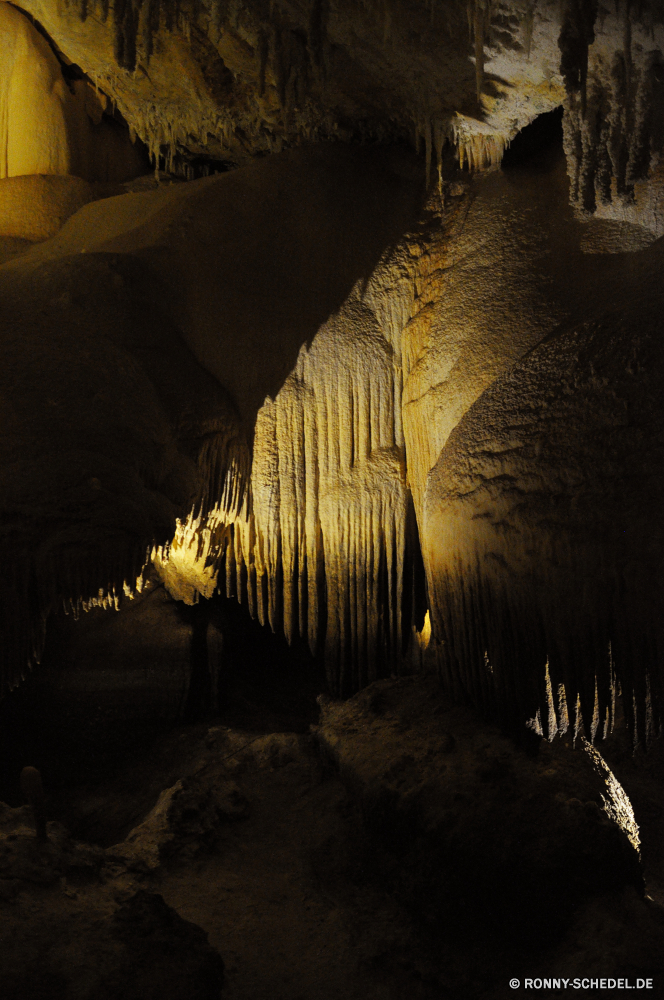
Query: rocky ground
396, 848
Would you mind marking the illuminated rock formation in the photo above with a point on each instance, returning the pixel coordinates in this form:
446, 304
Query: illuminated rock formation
232, 80
33, 101
372, 347
50, 124
541, 524
36, 206
333, 331
183, 442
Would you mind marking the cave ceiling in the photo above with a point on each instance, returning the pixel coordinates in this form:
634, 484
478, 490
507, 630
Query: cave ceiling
221, 81
232, 80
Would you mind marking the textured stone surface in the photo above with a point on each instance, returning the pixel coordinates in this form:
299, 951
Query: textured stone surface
475, 833
124, 282
72, 927
241, 79
542, 521
35, 207
52, 123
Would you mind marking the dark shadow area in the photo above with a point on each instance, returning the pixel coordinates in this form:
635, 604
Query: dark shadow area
114, 687
265, 684
536, 145
193, 168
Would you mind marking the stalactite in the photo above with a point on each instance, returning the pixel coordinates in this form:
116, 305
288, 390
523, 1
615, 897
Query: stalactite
118, 27
129, 31
151, 26
280, 62
485, 623
53, 576
611, 125
319, 538
528, 26
542, 566
643, 117
577, 34
476, 150
317, 34
125, 22
263, 54
439, 136
479, 22
427, 150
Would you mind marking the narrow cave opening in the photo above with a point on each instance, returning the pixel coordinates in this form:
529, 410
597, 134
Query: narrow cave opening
536, 145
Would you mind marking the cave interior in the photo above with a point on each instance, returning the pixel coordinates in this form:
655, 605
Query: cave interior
331, 650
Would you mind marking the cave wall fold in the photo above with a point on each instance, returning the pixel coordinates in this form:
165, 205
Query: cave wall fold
543, 527
33, 99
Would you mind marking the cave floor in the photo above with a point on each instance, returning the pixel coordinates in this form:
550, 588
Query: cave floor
281, 884
283, 900
282, 892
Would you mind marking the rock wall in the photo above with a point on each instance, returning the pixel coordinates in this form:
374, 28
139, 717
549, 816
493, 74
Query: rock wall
542, 530
614, 129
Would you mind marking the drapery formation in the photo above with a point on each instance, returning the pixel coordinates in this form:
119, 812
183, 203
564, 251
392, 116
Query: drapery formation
323, 544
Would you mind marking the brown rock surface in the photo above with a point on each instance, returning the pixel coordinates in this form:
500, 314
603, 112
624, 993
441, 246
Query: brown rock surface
323, 883
70, 927
542, 521
476, 834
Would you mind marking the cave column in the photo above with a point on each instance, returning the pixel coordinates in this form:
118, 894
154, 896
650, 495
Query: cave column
33, 97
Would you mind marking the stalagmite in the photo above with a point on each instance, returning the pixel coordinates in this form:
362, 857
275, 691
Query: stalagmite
616, 803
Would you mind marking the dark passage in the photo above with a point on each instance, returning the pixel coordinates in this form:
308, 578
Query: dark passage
536, 144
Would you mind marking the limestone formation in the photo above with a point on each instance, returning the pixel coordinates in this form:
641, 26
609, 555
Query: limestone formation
257, 76
614, 130
52, 123
541, 530
344, 316
267, 371
244, 514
